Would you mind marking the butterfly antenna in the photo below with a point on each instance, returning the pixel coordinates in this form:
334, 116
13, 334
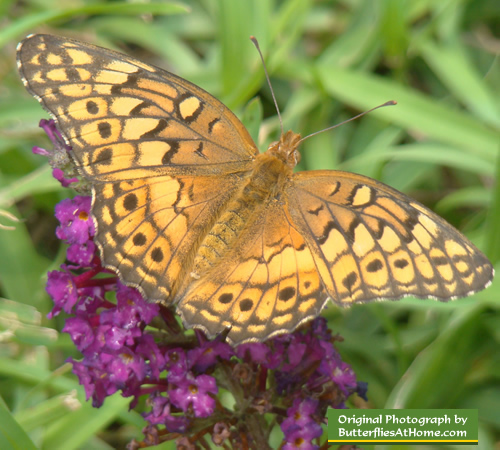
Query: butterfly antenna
389, 103
256, 43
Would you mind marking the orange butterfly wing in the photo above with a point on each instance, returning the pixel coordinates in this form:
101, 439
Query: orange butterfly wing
163, 156
265, 285
372, 242
126, 119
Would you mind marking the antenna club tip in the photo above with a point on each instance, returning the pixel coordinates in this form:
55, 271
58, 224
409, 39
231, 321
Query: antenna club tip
255, 42
391, 102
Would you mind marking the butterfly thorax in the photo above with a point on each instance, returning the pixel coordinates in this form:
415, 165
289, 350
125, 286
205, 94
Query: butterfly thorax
264, 183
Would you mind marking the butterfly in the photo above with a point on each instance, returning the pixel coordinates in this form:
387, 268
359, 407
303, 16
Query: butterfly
189, 212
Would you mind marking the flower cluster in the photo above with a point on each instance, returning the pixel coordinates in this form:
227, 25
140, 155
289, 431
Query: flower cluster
62, 167
140, 349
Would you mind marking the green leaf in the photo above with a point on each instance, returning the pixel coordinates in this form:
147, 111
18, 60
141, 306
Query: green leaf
29, 22
414, 111
456, 71
12, 436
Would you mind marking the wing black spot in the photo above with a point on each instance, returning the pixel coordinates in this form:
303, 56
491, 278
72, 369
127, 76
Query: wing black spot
195, 114
460, 258
212, 124
335, 189
117, 189
171, 152
104, 129
130, 202
374, 266
73, 74
354, 192
131, 82
315, 212
136, 110
379, 230
246, 305
411, 220
401, 263
440, 260
350, 233
326, 232
139, 239
350, 280
104, 156
160, 126
199, 151
286, 294
225, 298
157, 255
92, 107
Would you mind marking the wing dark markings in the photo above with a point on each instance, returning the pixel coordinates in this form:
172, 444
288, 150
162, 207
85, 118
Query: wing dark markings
160, 126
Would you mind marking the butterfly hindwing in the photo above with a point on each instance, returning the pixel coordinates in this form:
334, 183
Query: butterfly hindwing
373, 242
267, 284
148, 229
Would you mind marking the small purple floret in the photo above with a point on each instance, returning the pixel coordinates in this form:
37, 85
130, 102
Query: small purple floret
194, 392
300, 427
62, 290
76, 227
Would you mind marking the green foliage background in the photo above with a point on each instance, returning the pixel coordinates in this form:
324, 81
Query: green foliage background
328, 61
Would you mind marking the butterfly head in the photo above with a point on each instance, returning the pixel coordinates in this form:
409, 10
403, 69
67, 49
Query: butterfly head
286, 148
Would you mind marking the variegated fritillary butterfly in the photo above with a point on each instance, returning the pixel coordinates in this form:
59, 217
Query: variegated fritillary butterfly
188, 211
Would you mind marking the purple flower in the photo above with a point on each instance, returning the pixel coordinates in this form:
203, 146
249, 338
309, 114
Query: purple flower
94, 380
257, 352
300, 427
58, 174
133, 308
345, 378
91, 295
194, 393
295, 355
161, 413
124, 366
70, 291
80, 331
49, 126
59, 157
207, 355
81, 254
176, 363
62, 290
362, 390
77, 227
106, 369
148, 350
116, 352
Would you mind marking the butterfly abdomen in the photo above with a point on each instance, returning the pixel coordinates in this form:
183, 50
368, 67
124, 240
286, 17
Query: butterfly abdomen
264, 182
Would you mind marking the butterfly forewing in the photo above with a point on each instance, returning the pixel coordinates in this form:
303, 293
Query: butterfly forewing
378, 243
126, 119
